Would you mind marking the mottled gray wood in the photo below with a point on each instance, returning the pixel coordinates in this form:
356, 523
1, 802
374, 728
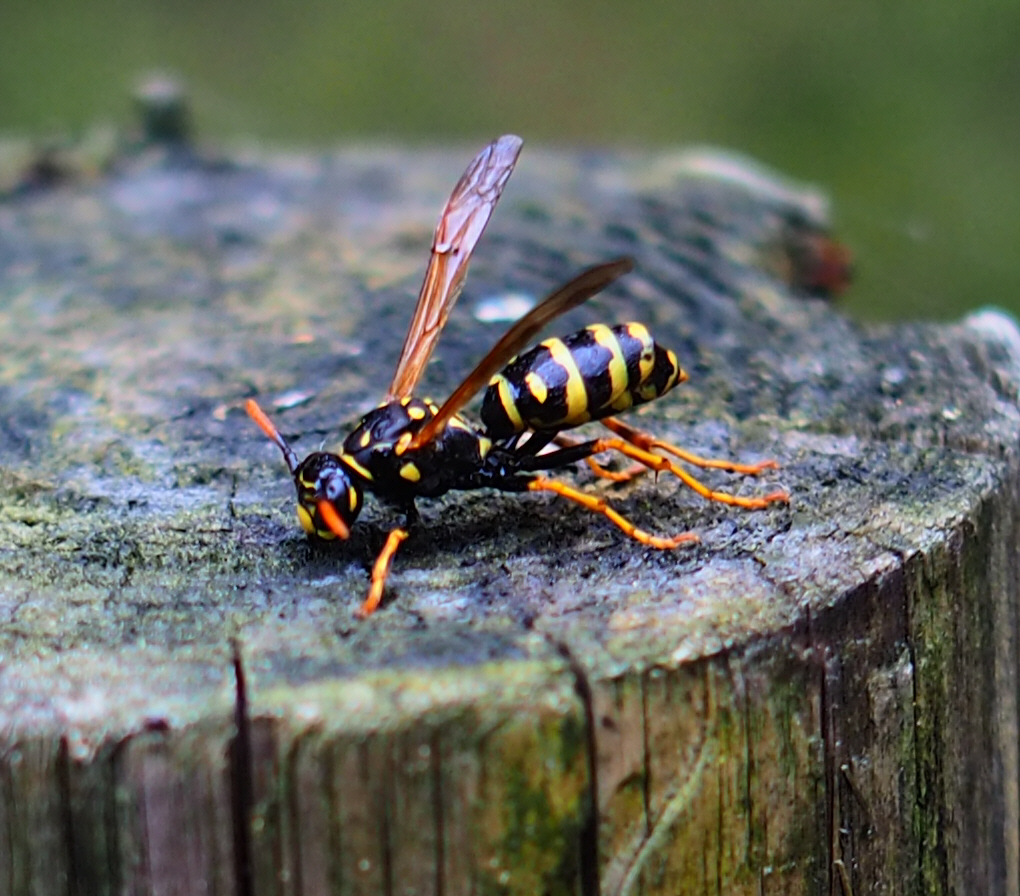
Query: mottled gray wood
812, 698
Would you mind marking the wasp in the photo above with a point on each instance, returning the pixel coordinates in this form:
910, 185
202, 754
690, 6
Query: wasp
409, 448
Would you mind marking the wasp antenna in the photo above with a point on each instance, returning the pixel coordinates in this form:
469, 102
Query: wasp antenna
266, 425
332, 519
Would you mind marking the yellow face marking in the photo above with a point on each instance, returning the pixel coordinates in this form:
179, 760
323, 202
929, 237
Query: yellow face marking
308, 524
402, 443
536, 386
506, 400
410, 472
352, 499
416, 413
305, 518
366, 437
577, 397
617, 365
484, 446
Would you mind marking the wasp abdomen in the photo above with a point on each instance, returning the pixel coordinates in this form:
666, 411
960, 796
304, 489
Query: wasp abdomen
593, 373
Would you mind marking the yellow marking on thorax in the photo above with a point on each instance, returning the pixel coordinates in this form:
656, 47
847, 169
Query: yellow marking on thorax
366, 437
416, 413
402, 443
577, 396
354, 465
410, 472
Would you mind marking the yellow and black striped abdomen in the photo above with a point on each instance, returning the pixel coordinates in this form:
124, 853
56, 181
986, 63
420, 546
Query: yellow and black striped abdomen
593, 373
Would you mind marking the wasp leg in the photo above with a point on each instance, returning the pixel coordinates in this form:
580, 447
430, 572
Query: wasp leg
380, 570
648, 443
652, 461
598, 505
632, 472
663, 465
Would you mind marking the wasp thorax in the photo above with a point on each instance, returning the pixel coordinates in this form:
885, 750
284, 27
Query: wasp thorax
323, 479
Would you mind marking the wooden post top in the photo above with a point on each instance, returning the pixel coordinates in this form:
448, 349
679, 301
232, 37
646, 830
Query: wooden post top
158, 595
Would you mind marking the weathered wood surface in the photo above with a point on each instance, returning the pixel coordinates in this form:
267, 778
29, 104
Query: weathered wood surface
813, 698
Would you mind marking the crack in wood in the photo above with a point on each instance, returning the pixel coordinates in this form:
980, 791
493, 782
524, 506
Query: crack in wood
589, 834
241, 778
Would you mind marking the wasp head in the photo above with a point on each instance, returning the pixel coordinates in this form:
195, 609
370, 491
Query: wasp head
328, 497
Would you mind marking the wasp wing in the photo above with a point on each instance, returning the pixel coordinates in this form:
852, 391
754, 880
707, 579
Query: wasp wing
459, 229
570, 295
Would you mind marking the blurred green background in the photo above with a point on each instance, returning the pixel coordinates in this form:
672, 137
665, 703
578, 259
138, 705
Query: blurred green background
908, 114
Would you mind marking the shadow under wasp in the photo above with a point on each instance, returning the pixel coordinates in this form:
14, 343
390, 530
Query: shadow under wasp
410, 448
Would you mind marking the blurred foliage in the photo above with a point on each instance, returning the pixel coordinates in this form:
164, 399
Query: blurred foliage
900, 110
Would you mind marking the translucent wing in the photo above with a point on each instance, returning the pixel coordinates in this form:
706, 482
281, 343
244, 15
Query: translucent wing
577, 291
459, 229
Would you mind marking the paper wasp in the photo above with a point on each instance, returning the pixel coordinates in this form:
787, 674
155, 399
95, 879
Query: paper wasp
408, 448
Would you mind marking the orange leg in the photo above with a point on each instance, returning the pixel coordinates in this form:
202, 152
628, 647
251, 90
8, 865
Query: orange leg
597, 505
380, 570
632, 472
661, 464
648, 443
